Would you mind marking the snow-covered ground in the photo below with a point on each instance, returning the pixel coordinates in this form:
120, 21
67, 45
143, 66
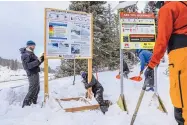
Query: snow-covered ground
7, 74
11, 112
10, 78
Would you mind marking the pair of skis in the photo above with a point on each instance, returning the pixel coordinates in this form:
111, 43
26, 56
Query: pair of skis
161, 105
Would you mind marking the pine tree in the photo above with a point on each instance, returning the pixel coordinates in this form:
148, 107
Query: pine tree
97, 9
106, 37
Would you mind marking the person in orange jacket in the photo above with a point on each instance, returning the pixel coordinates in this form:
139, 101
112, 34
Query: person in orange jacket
172, 34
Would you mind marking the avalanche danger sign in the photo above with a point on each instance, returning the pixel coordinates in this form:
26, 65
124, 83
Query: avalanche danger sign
137, 31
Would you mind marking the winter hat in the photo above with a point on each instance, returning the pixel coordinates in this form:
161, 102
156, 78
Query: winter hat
83, 74
30, 43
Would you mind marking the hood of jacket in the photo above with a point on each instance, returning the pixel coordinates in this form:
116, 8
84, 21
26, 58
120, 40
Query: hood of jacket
22, 50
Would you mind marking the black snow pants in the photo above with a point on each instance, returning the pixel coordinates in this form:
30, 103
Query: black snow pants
104, 104
99, 96
34, 88
178, 116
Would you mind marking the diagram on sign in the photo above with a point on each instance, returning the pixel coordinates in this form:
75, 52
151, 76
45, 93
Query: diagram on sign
58, 31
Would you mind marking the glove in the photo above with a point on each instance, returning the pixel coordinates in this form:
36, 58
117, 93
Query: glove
149, 72
87, 86
41, 58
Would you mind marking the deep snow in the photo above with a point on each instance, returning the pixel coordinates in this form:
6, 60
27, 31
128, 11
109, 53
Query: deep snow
11, 112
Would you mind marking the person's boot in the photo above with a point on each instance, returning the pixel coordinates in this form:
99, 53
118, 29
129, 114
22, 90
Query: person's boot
34, 101
107, 103
26, 103
104, 108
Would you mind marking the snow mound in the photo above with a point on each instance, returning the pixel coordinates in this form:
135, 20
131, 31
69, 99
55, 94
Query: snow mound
52, 114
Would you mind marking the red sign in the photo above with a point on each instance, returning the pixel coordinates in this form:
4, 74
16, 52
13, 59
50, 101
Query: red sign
136, 15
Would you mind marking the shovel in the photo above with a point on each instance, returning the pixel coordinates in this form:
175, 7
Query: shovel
118, 76
136, 78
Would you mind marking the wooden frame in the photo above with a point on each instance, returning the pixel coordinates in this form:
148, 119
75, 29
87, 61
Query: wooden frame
76, 109
46, 88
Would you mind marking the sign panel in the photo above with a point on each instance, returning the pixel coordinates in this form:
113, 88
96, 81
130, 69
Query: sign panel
68, 34
137, 31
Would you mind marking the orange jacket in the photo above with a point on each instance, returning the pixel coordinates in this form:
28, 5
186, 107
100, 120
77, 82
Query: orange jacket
172, 19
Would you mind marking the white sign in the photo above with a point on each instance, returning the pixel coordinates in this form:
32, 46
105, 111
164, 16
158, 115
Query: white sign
68, 34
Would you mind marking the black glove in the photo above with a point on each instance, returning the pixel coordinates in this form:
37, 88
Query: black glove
41, 58
87, 86
149, 72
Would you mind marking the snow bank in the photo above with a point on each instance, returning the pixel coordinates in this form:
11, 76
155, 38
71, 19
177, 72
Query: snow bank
11, 112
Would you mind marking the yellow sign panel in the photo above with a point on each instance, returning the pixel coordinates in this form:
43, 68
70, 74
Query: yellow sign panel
137, 31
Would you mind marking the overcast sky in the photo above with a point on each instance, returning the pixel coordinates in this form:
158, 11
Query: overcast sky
23, 21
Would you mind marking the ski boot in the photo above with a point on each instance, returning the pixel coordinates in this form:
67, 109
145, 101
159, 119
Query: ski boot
26, 103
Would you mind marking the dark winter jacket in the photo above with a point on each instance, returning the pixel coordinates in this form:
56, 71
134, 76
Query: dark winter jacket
30, 62
94, 84
125, 67
144, 56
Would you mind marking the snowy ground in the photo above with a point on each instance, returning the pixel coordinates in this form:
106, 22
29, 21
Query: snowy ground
7, 74
11, 112
10, 78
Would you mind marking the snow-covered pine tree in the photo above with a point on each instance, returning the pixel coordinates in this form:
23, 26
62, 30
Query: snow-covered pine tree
106, 43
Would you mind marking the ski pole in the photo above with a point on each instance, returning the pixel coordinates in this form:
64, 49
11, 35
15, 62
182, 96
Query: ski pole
138, 104
156, 91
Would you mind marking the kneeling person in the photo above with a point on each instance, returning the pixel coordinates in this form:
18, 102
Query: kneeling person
97, 89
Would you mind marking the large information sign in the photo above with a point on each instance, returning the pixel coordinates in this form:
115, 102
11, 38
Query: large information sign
137, 30
68, 34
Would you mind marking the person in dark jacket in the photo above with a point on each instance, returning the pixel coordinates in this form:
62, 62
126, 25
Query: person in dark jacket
31, 65
125, 69
145, 56
97, 90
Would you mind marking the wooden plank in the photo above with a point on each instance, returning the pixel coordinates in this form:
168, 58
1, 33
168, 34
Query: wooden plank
82, 108
70, 99
74, 99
